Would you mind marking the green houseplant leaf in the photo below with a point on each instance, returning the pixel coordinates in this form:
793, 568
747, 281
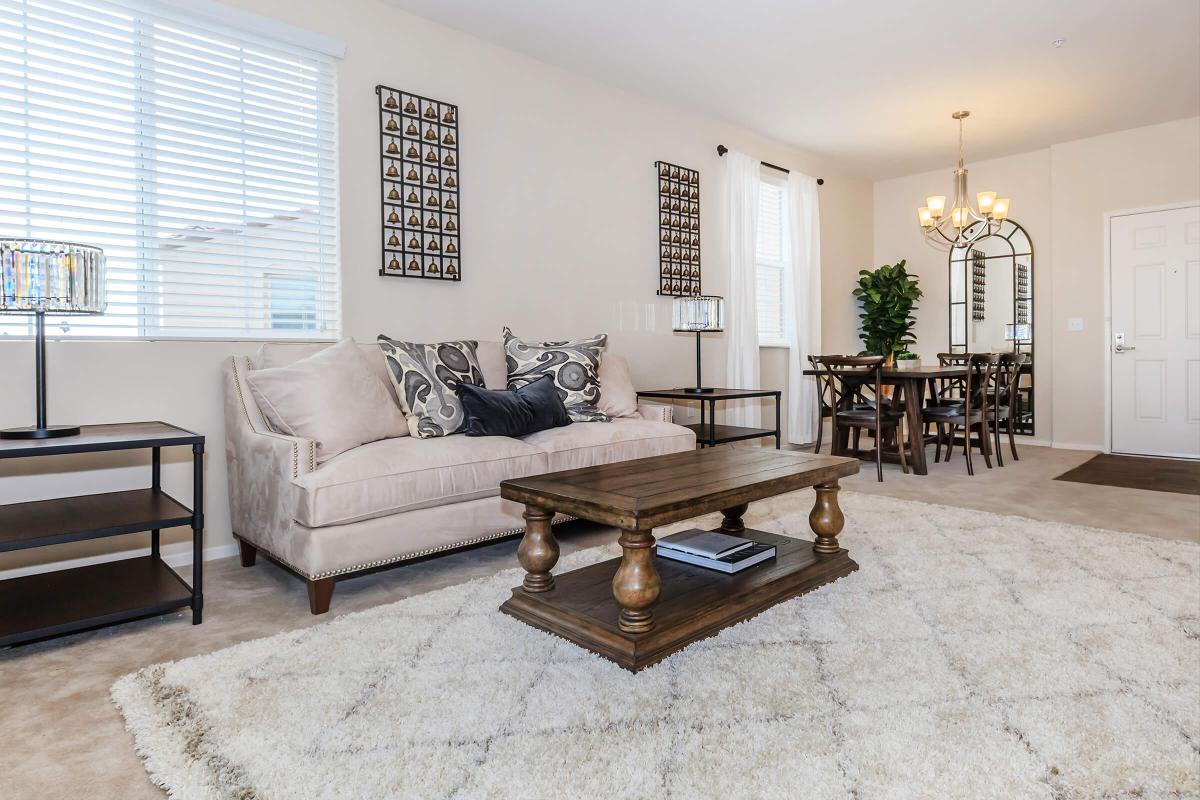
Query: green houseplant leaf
887, 297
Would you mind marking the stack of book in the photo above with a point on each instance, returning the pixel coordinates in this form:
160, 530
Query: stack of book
714, 550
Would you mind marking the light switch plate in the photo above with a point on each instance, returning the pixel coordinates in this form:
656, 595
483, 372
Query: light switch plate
1075, 324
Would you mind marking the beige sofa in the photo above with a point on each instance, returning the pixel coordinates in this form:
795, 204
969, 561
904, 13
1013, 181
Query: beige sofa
399, 499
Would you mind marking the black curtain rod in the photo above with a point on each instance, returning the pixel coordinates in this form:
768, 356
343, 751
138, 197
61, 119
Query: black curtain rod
722, 150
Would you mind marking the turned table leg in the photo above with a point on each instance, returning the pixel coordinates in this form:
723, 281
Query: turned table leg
732, 522
538, 551
826, 519
636, 584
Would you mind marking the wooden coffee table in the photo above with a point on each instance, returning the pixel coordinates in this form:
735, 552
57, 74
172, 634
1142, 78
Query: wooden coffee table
637, 609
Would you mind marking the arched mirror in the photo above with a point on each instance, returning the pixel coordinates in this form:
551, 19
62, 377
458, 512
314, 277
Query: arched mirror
991, 304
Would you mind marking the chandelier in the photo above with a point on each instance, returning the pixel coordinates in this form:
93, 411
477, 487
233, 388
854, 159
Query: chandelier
966, 223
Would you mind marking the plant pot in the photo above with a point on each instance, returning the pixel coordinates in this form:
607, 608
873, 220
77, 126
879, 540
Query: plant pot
905, 364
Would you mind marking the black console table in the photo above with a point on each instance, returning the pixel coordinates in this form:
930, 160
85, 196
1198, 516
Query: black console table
55, 603
708, 432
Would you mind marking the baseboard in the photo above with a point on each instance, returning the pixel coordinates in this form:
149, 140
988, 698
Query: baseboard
1057, 445
178, 555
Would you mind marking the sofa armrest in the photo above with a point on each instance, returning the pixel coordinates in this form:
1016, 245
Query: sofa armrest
248, 437
262, 466
656, 411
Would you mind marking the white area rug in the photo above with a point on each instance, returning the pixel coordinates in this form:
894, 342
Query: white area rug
971, 656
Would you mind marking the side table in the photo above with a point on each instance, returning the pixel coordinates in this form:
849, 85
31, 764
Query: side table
708, 432
51, 604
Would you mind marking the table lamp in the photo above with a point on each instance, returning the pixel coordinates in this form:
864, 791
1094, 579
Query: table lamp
698, 314
39, 277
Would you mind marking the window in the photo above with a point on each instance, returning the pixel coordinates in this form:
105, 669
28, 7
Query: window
769, 262
202, 159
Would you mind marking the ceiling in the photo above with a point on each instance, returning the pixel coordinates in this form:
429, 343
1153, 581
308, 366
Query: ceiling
872, 83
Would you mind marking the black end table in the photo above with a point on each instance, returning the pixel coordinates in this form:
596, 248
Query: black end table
708, 432
51, 604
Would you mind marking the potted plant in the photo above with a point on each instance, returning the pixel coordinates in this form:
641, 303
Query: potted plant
888, 296
907, 359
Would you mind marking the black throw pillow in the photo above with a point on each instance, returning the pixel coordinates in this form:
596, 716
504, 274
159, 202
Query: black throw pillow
533, 407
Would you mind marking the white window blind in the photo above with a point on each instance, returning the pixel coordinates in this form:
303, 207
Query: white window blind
769, 262
202, 159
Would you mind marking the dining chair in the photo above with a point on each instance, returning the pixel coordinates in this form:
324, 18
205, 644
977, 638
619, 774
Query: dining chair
972, 415
946, 389
845, 378
824, 404
1003, 400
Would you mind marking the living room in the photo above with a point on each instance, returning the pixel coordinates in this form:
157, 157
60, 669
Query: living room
1010, 612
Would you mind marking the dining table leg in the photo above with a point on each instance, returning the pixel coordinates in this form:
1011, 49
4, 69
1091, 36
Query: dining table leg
914, 391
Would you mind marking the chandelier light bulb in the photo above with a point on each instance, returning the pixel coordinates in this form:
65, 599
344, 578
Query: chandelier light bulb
1000, 208
936, 205
925, 217
985, 200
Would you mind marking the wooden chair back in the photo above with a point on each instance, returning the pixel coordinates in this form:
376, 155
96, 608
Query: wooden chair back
1008, 376
949, 388
980, 367
845, 375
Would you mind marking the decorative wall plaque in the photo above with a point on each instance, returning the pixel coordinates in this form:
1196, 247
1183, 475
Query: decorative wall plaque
678, 230
418, 141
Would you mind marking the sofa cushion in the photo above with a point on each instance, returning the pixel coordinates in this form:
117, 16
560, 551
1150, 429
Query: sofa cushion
282, 354
578, 446
574, 366
397, 475
331, 397
617, 395
425, 376
498, 412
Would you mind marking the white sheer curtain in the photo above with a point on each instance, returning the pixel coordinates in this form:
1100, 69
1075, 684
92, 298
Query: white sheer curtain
802, 303
741, 328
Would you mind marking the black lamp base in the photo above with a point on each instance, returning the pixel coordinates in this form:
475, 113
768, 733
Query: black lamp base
33, 432
699, 390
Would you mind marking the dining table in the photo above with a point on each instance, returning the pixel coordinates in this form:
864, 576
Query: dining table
913, 381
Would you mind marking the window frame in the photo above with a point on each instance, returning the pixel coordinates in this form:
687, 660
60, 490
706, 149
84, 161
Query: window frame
769, 177
143, 320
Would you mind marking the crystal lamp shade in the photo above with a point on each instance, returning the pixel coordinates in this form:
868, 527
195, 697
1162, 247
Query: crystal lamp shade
701, 313
51, 277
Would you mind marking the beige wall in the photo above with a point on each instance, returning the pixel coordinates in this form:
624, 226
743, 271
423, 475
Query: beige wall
1060, 195
1139, 168
559, 231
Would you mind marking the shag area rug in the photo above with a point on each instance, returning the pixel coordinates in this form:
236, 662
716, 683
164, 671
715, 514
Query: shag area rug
971, 656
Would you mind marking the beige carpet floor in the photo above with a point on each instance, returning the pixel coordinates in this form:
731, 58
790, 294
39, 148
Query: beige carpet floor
972, 655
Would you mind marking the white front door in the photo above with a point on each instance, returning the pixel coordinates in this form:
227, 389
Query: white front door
1155, 345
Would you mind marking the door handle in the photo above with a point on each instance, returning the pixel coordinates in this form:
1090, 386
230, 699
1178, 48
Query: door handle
1123, 348
1119, 345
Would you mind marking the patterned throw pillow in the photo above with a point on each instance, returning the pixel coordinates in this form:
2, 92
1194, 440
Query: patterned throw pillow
574, 366
425, 376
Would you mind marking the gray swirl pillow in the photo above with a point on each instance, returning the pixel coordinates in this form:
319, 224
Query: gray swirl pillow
425, 376
574, 366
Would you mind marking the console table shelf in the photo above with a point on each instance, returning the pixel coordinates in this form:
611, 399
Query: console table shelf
92, 516
708, 432
49, 604
56, 603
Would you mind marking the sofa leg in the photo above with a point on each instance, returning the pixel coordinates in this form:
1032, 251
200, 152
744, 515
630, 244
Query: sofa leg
248, 552
320, 592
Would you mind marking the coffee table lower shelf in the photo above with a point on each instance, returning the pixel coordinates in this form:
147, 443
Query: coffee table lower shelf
695, 603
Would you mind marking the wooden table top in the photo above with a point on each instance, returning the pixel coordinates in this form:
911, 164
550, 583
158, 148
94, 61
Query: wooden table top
715, 394
647, 492
891, 373
95, 438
